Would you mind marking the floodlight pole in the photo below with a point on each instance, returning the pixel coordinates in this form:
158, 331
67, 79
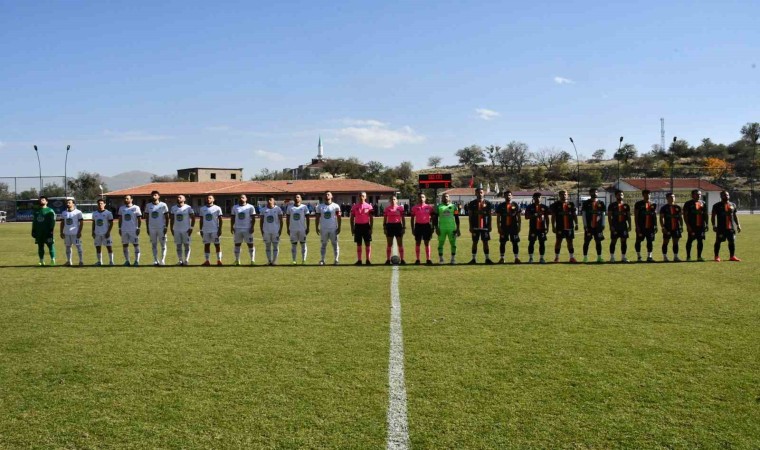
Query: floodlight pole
40, 166
65, 173
672, 163
752, 178
578, 170
618, 158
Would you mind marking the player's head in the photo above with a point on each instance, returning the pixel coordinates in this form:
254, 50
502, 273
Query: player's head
646, 195
724, 196
70, 204
209, 200
508, 195
592, 193
101, 205
43, 201
155, 196
297, 199
445, 199
243, 199
128, 200
562, 195
536, 198
328, 197
180, 199
394, 200
619, 195
670, 198
270, 201
479, 193
421, 198
696, 195
363, 197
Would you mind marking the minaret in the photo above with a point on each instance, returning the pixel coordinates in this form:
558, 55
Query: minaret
320, 150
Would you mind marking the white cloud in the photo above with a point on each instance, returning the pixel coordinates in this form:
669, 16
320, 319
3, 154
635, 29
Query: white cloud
486, 114
563, 80
364, 123
374, 133
134, 136
271, 156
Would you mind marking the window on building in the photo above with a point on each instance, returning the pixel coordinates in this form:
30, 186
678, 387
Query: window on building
213, 176
233, 176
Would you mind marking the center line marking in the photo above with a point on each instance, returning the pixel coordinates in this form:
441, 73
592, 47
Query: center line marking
398, 428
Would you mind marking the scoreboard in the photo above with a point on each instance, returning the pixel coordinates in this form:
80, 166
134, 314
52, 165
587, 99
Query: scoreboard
435, 180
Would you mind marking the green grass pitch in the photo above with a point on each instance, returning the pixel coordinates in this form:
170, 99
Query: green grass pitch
547, 356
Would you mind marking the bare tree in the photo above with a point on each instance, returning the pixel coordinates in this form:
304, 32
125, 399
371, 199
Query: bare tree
434, 161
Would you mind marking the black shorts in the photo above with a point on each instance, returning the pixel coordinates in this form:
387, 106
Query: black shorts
566, 234
619, 233
362, 232
675, 234
423, 231
509, 235
725, 235
540, 235
594, 233
483, 235
394, 230
646, 234
697, 234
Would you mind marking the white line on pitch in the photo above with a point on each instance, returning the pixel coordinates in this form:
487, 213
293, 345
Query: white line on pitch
398, 428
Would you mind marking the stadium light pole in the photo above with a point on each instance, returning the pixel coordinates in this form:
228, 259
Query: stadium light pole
672, 163
65, 173
618, 158
39, 164
578, 172
752, 177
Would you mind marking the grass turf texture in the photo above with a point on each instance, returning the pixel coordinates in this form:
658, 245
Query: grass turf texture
642, 355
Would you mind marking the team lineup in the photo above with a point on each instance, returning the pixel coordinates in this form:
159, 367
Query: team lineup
560, 218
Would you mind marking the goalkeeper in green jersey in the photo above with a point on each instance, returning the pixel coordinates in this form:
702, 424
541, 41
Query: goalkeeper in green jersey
43, 228
446, 225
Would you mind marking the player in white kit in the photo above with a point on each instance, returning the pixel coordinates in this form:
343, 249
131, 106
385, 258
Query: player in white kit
211, 229
156, 221
72, 223
271, 229
243, 219
182, 222
102, 223
327, 222
297, 220
130, 220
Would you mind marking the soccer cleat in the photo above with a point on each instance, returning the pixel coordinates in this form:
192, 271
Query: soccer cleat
403, 263
67, 264
488, 261
585, 258
700, 259
416, 262
688, 259
52, 263
472, 261
367, 263
180, 263
237, 263
81, 263
41, 263
639, 259
387, 262
322, 262
126, 264
111, 264
556, 260
295, 262
573, 261
155, 263
612, 258
206, 264
428, 263
665, 258
734, 258
517, 261
135, 264
676, 259
717, 259
542, 260
358, 262
335, 263
440, 260
219, 262
501, 260
599, 259
650, 259
530, 260
625, 259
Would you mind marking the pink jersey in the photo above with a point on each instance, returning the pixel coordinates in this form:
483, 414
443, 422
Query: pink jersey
361, 213
422, 213
394, 214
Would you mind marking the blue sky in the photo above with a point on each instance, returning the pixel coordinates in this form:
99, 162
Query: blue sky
158, 86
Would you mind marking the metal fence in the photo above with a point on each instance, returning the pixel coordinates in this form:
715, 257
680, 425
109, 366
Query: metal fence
17, 188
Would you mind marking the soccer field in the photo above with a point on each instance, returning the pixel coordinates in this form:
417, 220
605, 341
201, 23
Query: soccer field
568, 356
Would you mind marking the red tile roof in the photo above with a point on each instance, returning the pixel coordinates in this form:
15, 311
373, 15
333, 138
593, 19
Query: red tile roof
663, 184
462, 192
257, 187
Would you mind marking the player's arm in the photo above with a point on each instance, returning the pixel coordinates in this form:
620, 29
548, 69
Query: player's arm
518, 217
339, 219
287, 222
456, 220
662, 219
411, 220
93, 227
120, 220
307, 219
585, 205
220, 221
147, 220
351, 222
609, 216
192, 222
110, 227
171, 222
403, 222
317, 216
712, 218
232, 222
139, 221
636, 215
499, 220
574, 216
489, 212
736, 220
61, 228
371, 219
553, 220
281, 223
166, 219
81, 226
261, 226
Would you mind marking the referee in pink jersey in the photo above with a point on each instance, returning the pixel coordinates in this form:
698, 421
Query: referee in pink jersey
361, 228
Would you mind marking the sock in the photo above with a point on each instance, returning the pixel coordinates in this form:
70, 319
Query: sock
137, 253
336, 249
716, 247
252, 253
572, 255
275, 253
179, 252
100, 257
474, 255
236, 251
323, 250
208, 256
68, 254
218, 256
293, 250
154, 247
163, 252
79, 252
368, 251
304, 251
731, 248
417, 251
388, 252
401, 252
187, 253
427, 252
269, 252
110, 257
41, 251
358, 252
51, 249
700, 247
486, 255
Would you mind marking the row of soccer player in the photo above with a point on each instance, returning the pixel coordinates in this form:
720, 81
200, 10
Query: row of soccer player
441, 219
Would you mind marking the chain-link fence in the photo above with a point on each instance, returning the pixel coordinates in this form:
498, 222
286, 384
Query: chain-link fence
15, 191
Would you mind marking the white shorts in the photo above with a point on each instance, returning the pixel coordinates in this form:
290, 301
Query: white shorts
157, 236
101, 240
243, 236
181, 237
297, 236
272, 238
71, 239
129, 237
328, 235
211, 238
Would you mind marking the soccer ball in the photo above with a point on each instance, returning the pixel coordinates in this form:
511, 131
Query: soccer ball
395, 260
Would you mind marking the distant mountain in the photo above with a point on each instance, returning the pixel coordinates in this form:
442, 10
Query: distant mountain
127, 179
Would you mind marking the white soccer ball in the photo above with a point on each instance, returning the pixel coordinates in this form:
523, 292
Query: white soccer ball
395, 260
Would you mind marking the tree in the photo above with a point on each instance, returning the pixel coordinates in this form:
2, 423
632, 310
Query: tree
404, 171
264, 174
513, 157
86, 186
718, 168
434, 161
373, 171
553, 161
751, 132
493, 153
5, 192
681, 149
598, 155
471, 156
626, 153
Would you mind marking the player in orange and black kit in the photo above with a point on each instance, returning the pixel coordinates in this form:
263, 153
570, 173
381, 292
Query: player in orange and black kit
593, 211
696, 218
619, 219
537, 216
727, 225
564, 222
645, 218
480, 211
671, 222
508, 222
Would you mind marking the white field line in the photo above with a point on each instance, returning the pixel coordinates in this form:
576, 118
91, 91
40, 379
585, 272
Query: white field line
398, 428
